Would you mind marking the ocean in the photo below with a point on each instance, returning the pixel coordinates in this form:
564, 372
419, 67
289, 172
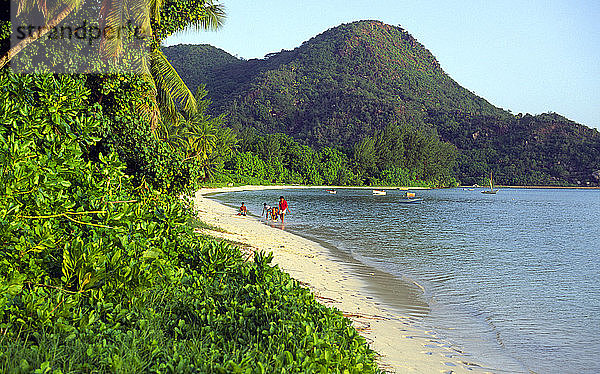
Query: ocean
511, 279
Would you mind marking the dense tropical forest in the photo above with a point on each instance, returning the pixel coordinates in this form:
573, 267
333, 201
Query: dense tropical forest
100, 268
363, 81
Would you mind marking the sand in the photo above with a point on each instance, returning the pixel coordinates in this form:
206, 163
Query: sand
401, 346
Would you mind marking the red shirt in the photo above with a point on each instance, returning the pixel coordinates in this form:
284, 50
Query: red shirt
283, 205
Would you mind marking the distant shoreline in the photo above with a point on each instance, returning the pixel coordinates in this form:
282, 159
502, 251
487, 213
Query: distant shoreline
401, 188
254, 187
550, 187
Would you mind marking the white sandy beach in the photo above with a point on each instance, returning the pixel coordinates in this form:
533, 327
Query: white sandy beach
403, 348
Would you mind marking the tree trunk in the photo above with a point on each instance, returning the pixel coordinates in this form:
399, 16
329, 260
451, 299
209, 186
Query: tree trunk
43, 31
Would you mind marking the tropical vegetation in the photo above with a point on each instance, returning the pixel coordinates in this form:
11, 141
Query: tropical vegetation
100, 268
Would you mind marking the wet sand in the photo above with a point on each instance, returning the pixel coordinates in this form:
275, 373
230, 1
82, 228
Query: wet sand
402, 347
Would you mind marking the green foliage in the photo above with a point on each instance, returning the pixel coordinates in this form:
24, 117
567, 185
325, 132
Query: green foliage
68, 220
176, 157
277, 158
546, 149
201, 138
177, 15
406, 156
99, 274
196, 62
354, 80
397, 156
148, 158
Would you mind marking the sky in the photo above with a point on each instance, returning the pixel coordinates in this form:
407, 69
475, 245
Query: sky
525, 56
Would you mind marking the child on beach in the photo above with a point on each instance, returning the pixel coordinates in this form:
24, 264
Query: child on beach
243, 210
274, 213
267, 211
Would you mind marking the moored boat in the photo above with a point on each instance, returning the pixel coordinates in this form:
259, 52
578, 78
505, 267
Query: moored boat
410, 200
379, 192
491, 191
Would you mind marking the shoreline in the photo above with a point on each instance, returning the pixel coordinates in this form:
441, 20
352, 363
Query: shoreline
553, 187
538, 187
258, 187
401, 346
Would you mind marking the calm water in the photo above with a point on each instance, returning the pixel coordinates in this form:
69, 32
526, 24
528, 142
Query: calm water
513, 278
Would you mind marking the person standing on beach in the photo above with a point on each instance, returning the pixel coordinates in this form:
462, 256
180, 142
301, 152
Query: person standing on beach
283, 208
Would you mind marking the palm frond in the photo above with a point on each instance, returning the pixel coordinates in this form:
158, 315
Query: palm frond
43, 7
213, 19
154, 9
172, 91
25, 6
113, 15
149, 106
140, 13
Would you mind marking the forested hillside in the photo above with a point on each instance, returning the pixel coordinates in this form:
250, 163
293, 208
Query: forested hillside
352, 81
198, 62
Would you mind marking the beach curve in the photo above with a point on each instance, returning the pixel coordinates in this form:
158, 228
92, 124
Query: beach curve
401, 346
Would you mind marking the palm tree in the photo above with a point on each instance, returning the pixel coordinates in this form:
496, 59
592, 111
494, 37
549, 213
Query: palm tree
62, 10
160, 18
170, 90
199, 137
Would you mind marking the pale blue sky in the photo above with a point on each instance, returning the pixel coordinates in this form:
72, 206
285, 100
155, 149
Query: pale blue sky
527, 56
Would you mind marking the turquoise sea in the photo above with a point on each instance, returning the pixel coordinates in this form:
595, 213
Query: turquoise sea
511, 279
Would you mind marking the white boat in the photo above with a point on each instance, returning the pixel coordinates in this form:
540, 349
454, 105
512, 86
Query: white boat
379, 192
331, 191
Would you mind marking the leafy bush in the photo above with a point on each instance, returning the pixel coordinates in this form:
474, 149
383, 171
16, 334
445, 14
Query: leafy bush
99, 274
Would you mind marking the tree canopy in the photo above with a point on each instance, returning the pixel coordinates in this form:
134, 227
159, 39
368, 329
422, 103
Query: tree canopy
353, 81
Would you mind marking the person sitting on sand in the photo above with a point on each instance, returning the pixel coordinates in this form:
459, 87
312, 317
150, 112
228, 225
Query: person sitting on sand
243, 210
267, 211
283, 208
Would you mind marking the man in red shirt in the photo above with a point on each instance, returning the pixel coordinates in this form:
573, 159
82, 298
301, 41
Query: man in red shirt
283, 207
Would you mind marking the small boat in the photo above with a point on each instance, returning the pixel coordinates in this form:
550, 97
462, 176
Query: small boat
331, 191
491, 191
410, 198
379, 192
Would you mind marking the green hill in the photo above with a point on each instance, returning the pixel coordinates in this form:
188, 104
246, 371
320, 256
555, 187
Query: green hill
353, 80
196, 63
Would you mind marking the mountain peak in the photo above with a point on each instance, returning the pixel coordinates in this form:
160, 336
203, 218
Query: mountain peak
355, 79
368, 61
388, 44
